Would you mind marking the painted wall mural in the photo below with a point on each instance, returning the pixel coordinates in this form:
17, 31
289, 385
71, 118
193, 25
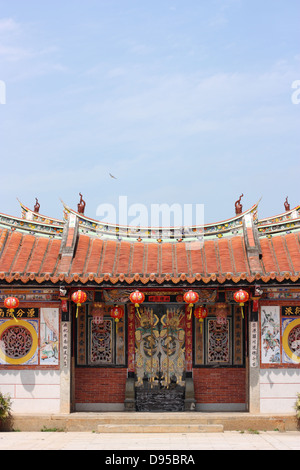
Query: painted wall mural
270, 334
280, 334
49, 324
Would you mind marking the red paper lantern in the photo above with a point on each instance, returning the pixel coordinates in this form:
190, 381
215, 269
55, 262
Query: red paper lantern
12, 303
201, 313
137, 298
241, 296
79, 297
191, 298
117, 313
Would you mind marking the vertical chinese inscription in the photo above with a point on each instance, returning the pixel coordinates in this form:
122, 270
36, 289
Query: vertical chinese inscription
65, 342
188, 343
253, 344
131, 338
81, 337
238, 337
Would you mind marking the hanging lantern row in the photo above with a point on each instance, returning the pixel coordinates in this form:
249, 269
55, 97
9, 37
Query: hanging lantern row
79, 297
190, 298
12, 303
241, 296
137, 298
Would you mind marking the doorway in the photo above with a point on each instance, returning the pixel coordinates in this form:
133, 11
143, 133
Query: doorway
160, 358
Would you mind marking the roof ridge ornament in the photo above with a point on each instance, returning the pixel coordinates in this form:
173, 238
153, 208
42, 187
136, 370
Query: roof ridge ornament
36, 206
238, 206
81, 205
287, 205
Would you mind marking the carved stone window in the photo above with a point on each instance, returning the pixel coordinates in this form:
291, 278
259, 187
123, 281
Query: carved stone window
218, 342
16, 342
220, 339
101, 342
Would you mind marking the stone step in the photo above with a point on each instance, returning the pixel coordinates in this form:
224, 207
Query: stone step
159, 428
88, 421
157, 418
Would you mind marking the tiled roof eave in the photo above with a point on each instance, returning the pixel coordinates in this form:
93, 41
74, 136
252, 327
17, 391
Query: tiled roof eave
152, 279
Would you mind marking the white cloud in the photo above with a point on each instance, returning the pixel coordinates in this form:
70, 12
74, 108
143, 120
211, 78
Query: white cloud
12, 53
8, 25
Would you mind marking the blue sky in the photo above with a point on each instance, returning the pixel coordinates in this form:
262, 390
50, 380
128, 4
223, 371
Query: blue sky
183, 101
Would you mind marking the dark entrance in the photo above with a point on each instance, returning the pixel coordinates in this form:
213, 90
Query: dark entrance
160, 358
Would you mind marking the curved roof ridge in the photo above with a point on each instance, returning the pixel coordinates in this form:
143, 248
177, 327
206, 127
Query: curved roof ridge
189, 233
284, 216
30, 214
37, 227
236, 217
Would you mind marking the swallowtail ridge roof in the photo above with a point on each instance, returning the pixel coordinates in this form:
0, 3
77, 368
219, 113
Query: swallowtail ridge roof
78, 249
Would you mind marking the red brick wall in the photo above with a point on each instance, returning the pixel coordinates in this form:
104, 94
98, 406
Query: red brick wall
97, 385
220, 385
93, 385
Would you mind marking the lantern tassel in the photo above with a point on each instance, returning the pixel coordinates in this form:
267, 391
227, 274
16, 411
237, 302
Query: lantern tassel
13, 315
137, 309
78, 305
242, 310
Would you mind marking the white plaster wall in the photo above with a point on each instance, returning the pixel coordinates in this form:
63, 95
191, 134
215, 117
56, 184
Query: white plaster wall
32, 391
278, 390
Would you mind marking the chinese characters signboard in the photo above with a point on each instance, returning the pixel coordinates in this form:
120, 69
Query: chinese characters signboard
288, 311
19, 313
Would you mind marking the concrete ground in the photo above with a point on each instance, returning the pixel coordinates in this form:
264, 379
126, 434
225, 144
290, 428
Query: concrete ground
181, 443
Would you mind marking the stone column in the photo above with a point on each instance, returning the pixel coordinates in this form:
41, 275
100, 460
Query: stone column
254, 367
65, 367
129, 403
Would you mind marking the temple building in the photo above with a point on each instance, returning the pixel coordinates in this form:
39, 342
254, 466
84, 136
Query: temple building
101, 317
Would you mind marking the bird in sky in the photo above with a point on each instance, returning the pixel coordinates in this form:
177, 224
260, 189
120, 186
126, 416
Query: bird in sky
112, 176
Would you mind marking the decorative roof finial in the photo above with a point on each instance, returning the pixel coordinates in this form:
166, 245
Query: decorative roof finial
286, 205
37, 206
81, 205
238, 206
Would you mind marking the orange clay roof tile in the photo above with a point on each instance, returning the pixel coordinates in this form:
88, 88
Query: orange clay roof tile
27, 257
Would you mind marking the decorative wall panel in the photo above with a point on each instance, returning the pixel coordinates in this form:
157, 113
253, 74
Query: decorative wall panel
218, 350
101, 342
270, 334
19, 342
49, 336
